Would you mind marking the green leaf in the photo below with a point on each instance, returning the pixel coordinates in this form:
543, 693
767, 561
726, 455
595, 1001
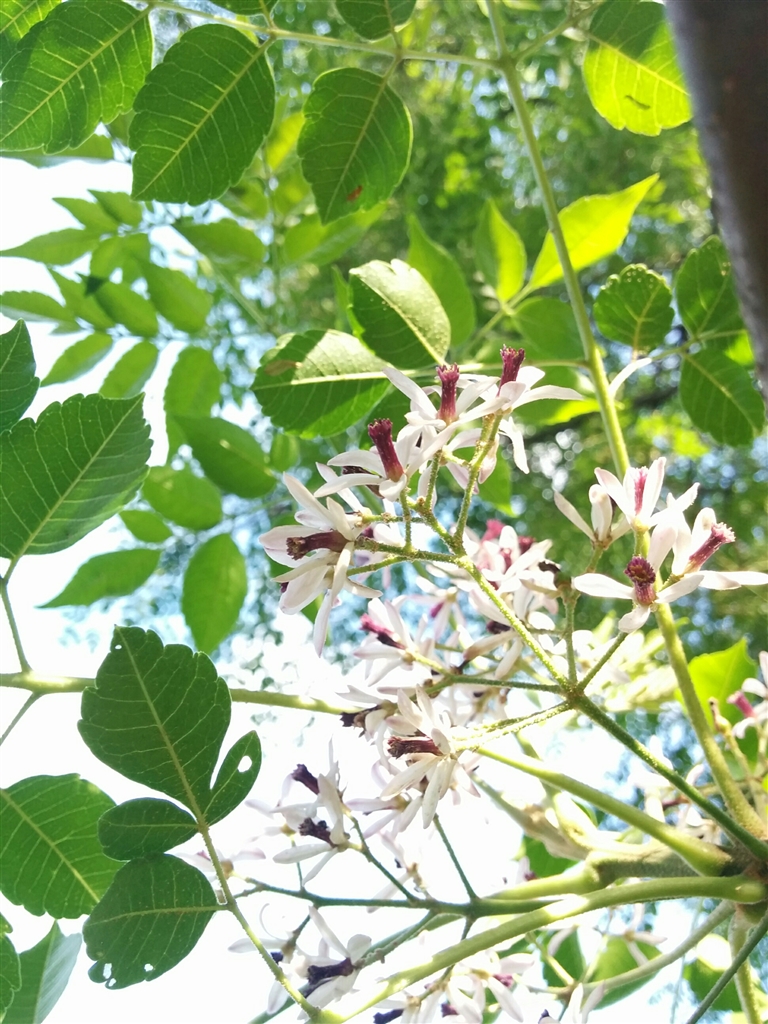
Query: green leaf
144, 826
542, 863
499, 252
720, 674
194, 385
90, 215
10, 974
229, 455
57, 248
96, 149
705, 294
246, 7
702, 974
616, 958
319, 382
282, 138
84, 307
82, 65
635, 308
400, 316
312, 241
594, 227
373, 19
177, 298
31, 306
201, 116
18, 383
119, 206
284, 451
145, 526
79, 358
16, 19
52, 862
150, 918
291, 191
549, 329
182, 497
720, 397
246, 199
630, 68
126, 307
225, 241
215, 585
497, 489
129, 252
158, 715
443, 274
45, 971
110, 575
569, 956
355, 144
68, 472
235, 778
131, 372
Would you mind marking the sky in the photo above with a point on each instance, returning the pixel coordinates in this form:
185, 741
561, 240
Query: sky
212, 984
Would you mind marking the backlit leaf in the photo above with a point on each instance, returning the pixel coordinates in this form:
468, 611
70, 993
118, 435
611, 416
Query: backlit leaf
129, 252
68, 472
131, 372
52, 862
549, 329
235, 778
617, 958
18, 383
57, 248
110, 575
79, 358
45, 971
246, 7
720, 674
720, 397
194, 385
312, 241
82, 65
177, 298
185, 499
141, 827
32, 306
96, 149
229, 455
706, 296
201, 116
282, 139
373, 19
16, 19
400, 316
594, 227
499, 252
90, 215
84, 307
630, 68
319, 382
10, 973
355, 143
145, 526
119, 206
150, 918
215, 585
443, 274
225, 241
128, 308
635, 308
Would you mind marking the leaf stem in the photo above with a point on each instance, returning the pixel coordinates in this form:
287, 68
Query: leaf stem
19, 715
454, 859
25, 666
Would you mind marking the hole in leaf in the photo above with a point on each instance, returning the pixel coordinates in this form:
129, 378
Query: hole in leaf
111, 983
245, 764
149, 968
118, 647
106, 972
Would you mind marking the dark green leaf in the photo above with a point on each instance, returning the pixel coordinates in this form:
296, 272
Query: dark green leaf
79, 358
52, 862
229, 455
318, 383
225, 241
129, 252
90, 215
616, 958
16, 19
110, 575
542, 863
312, 241
194, 384
720, 674
69, 472
119, 206
182, 497
45, 971
84, 307
594, 227
150, 918
235, 778
705, 294
32, 306
630, 68
83, 64
246, 7
720, 397
18, 383
57, 248
201, 116
355, 143
373, 19
215, 585
10, 974
144, 826
499, 252
443, 274
177, 298
570, 957
157, 715
635, 308
549, 329
400, 316
128, 308
146, 526
131, 372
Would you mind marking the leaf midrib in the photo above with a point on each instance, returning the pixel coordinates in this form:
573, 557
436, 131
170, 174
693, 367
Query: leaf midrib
637, 64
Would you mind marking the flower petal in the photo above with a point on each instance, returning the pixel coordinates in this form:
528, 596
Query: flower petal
597, 585
635, 619
572, 513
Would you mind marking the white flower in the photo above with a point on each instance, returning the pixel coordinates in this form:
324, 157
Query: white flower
328, 979
753, 716
692, 548
638, 494
453, 409
602, 532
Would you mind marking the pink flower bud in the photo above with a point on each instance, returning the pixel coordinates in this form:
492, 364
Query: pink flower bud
449, 377
511, 361
380, 432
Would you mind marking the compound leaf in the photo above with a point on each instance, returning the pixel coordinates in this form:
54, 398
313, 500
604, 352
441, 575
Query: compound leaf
18, 383
215, 585
110, 575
